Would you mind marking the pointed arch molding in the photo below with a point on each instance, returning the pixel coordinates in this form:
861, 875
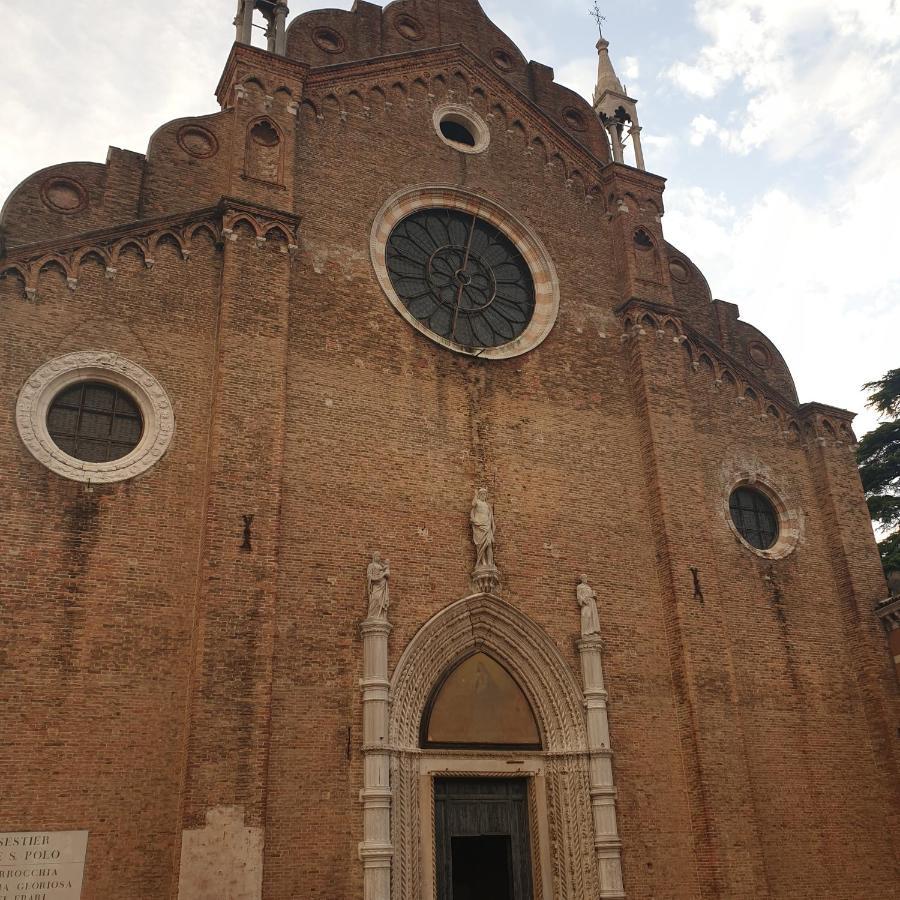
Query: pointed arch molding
566, 852
485, 623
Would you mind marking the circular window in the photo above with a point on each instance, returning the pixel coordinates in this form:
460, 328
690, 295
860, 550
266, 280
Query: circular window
461, 278
197, 141
574, 119
95, 417
462, 128
64, 195
408, 27
679, 271
502, 60
329, 40
95, 422
760, 355
465, 273
755, 518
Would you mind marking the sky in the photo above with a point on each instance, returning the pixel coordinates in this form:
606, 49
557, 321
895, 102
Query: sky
776, 123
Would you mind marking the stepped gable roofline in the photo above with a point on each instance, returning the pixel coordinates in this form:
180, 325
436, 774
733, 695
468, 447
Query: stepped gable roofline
706, 343
289, 73
325, 37
353, 71
732, 329
63, 168
827, 411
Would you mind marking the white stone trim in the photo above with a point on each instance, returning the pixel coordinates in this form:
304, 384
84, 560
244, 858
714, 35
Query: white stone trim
562, 799
468, 118
543, 272
95, 365
790, 518
527, 765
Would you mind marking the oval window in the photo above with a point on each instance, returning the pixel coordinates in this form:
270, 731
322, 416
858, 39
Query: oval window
755, 518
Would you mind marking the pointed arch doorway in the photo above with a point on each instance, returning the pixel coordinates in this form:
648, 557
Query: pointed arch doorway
483, 826
527, 763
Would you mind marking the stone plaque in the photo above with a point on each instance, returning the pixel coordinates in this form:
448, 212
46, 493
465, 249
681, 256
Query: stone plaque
42, 865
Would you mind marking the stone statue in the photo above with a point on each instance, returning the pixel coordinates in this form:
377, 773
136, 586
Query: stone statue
587, 600
482, 519
377, 578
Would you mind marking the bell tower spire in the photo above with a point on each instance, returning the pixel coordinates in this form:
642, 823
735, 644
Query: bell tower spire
615, 109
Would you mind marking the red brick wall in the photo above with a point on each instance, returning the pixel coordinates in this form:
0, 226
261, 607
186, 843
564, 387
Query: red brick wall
155, 669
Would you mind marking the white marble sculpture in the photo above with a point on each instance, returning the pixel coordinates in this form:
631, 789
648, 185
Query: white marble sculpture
482, 519
587, 600
485, 577
377, 578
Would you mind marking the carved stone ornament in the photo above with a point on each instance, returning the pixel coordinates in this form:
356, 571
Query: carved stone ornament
95, 365
587, 601
377, 576
486, 576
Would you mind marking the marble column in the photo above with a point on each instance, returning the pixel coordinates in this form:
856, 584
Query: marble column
281, 14
635, 132
244, 22
616, 140
376, 851
603, 791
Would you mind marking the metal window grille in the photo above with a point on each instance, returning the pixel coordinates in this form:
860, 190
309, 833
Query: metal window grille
461, 277
755, 518
95, 422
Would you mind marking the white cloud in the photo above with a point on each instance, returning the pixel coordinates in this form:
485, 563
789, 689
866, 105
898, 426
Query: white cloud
702, 127
580, 75
798, 269
806, 69
794, 78
631, 68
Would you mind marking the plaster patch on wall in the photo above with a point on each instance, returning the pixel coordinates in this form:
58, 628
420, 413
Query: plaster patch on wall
223, 859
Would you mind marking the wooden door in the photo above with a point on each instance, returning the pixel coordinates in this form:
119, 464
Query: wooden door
483, 848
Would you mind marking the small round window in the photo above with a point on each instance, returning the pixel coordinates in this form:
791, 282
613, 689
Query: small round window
462, 128
95, 422
755, 518
457, 133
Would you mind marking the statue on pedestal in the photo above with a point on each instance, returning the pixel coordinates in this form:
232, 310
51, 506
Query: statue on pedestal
482, 519
486, 576
377, 579
587, 600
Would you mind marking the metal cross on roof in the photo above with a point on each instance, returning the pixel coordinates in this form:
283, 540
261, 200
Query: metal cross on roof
595, 12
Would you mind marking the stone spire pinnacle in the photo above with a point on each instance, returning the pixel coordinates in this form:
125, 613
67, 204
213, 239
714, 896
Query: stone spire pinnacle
607, 80
615, 109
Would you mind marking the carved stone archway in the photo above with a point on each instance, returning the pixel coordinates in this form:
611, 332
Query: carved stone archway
562, 769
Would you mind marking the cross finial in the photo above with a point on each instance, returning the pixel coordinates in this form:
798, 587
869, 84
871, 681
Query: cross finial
595, 12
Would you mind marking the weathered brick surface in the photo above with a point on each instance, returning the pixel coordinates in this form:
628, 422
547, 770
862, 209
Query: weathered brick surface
155, 670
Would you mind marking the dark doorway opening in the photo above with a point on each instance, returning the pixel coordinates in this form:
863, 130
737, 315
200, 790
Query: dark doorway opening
481, 868
482, 843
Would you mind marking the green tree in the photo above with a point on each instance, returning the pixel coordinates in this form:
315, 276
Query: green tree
879, 465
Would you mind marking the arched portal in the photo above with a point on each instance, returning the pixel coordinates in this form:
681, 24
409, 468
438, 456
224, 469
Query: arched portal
558, 775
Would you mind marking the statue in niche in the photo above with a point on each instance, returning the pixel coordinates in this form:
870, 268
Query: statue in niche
482, 519
377, 579
587, 600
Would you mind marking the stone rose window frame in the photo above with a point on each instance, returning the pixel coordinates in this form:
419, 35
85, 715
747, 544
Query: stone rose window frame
543, 271
57, 375
790, 521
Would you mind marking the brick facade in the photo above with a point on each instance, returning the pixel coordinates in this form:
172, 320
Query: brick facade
162, 678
